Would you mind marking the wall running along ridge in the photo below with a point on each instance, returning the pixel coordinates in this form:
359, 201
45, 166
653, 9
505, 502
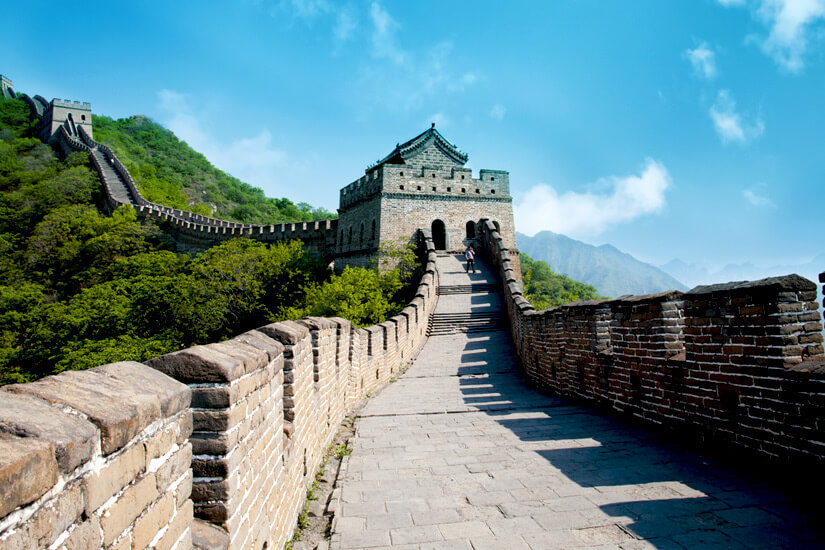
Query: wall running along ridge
108, 457
738, 363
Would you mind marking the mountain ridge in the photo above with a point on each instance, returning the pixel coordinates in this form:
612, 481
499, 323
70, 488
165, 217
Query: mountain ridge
613, 272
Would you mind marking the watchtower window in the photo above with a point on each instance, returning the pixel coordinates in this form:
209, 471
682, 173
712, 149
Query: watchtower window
419, 188
401, 187
492, 178
82, 117
462, 176
463, 190
471, 229
433, 175
492, 191
449, 189
400, 173
477, 191
434, 188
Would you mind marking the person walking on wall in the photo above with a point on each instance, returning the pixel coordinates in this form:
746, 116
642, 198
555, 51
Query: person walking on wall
470, 255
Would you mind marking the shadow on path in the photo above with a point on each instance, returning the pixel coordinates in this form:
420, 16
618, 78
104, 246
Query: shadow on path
657, 490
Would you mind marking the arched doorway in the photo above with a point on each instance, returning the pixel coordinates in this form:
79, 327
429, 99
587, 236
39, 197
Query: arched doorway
439, 235
471, 229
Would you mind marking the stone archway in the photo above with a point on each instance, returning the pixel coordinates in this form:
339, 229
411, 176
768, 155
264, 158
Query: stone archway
439, 235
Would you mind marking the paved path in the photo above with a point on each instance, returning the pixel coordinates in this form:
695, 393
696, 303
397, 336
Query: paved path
460, 453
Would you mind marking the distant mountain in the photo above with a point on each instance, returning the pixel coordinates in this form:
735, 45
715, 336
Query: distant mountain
697, 275
610, 270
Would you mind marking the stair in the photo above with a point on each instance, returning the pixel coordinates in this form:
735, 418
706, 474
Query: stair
117, 186
452, 323
479, 288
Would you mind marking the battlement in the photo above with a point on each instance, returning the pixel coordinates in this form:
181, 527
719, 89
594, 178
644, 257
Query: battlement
72, 104
427, 180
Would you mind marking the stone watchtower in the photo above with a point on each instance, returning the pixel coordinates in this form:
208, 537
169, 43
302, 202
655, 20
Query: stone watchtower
6, 88
422, 183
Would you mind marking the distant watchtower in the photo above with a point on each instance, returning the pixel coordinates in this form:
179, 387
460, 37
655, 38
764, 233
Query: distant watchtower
72, 113
422, 183
6, 88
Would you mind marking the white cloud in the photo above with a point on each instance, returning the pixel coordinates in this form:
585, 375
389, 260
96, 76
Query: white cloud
790, 23
498, 111
757, 197
621, 199
703, 60
789, 20
383, 35
254, 160
728, 122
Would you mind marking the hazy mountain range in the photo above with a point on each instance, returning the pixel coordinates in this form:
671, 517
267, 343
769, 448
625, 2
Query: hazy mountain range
693, 275
610, 270
615, 273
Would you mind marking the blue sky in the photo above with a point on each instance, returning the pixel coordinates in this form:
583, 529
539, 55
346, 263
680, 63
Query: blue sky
691, 129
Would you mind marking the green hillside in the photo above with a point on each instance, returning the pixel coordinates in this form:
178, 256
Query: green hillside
169, 172
545, 289
79, 288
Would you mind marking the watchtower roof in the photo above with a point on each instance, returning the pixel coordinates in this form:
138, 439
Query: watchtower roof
409, 149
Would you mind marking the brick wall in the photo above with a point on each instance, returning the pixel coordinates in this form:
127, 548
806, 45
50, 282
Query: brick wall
95, 459
108, 457
268, 402
738, 363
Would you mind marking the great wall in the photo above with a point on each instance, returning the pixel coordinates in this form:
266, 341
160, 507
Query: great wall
219, 442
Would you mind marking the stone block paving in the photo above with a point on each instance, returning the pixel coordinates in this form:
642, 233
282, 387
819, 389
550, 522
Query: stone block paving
460, 453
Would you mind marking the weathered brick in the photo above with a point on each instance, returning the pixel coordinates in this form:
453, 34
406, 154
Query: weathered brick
84, 536
118, 409
199, 364
180, 524
74, 438
150, 523
174, 467
28, 469
112, 477
129, 505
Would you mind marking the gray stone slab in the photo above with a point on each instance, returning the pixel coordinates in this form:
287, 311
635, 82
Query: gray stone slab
475, 457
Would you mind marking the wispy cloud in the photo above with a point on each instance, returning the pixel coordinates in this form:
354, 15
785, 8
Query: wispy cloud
757, 196
254, 160
384, 31
790, 24
345, 26
703, 60
729, 123
498, 111
612, 200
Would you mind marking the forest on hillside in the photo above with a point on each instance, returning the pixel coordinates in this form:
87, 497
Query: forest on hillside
169, 172
545, 289
80, 289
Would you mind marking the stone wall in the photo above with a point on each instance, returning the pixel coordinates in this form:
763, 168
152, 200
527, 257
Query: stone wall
108, 457
95, 459
268, 402
738, 363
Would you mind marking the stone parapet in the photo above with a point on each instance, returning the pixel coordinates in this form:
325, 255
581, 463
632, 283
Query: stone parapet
737, 363
96, 459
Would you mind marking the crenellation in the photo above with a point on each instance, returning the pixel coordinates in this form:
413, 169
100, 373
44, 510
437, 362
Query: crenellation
717, 361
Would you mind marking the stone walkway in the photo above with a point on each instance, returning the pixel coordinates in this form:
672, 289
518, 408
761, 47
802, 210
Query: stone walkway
460, 453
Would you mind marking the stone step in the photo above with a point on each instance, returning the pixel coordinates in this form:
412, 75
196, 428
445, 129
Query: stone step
452, 323
477, 288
